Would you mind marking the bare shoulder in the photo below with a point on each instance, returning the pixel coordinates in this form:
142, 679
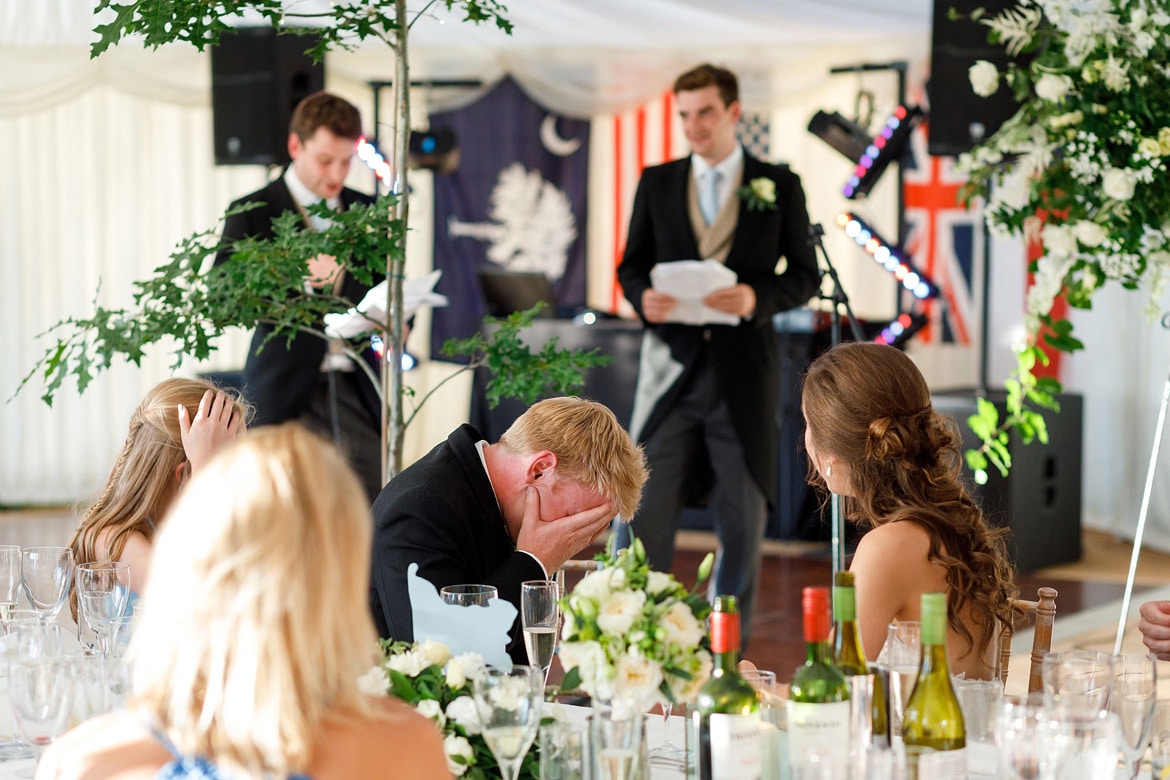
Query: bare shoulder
892, 542
397, 741
113, 747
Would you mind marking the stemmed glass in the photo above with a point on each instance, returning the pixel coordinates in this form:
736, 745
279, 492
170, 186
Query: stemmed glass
46, 573
9, 580
1077, 679
102, 594
508, 702
539, 618
40, 687
904, 652
469, 595
1133, 699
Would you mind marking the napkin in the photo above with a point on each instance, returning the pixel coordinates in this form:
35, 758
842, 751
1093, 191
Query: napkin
370, 314
690, 281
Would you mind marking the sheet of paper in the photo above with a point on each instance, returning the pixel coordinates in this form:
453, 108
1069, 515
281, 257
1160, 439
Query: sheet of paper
370, 314
690, 281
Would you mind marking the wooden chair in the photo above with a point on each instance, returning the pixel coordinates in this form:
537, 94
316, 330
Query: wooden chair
583, 565
1044, 610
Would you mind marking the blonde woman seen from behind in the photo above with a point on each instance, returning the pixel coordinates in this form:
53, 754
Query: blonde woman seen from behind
253, 632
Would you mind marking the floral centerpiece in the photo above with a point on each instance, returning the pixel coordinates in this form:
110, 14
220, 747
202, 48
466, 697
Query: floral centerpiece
634, 634
439, 685
1081, 166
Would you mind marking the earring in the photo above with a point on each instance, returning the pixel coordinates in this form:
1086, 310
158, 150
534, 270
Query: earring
828, 471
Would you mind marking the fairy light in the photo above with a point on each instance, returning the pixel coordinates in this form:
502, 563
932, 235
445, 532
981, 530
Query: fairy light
888, 257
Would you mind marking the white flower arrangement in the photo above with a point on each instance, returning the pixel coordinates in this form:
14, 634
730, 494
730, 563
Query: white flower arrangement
1081, 165
438, 685
634, 634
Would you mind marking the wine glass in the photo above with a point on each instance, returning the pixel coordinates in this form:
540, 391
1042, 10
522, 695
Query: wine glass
1133, 699
9, 580
538, 619
1077, 679
102, 595
616, 735
40, 688
508, 702
46, 573
904, 653
469, 595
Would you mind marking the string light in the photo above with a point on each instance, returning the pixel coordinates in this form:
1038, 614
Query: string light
887, 256
900, 330
887, 146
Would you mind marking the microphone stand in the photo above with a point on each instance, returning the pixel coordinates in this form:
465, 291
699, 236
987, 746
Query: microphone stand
840, 301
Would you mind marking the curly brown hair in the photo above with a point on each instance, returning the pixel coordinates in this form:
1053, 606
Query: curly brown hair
869, 405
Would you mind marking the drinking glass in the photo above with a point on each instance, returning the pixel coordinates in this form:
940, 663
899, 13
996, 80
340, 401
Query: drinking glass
102, 594
46, 573
9, 580
1133, 699
903, 652
11, 747
979, 700
1077, 679
538, 619
1086, 743
1160, 741
563, 750
508, 702
772, 718
41, 693
1024, 739
469, 595
615, 737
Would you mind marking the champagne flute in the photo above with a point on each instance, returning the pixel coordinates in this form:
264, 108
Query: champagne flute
469, 595
539, 618
46, 573
40, 689
9, 580
508, 702
1133, 699
102, 595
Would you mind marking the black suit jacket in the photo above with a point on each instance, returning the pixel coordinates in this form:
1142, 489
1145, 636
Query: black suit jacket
746, 360
279, 380
442, 514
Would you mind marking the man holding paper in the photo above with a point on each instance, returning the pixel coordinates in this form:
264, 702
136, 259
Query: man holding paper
709, 382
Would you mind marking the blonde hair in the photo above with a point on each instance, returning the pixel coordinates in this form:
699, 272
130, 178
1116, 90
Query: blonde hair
590, 445
254, 622
142, 482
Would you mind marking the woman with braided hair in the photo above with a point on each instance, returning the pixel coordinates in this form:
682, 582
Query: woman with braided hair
173, 432
873, 437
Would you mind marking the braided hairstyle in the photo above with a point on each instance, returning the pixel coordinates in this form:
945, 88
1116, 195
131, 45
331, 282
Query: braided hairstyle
869, 405
142, 482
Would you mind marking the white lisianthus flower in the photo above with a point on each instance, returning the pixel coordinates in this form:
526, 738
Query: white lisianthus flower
638, 677
431, 709
1118, 183
1150, 147
617, 579
409, 663
1013, 192
620, 611
984, 77
435, 653
1053, 87
590, 662
1046, 285
594, 585
374, 682
658, 582
455, 745
680, 625
1164, 140
700, 668
464, 712
463, 667
1059, 240
1089, 233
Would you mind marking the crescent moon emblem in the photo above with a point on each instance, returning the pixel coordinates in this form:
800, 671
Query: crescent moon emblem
561, 147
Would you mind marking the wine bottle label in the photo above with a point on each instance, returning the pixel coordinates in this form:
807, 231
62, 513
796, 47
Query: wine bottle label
735, 747
927, 764
821, 728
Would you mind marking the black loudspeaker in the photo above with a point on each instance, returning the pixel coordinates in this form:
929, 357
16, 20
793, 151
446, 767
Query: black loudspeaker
959, 118
1040, 499
257, 79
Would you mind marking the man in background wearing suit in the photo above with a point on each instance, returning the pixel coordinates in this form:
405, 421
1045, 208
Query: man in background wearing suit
706, 394
470, 512
309, 379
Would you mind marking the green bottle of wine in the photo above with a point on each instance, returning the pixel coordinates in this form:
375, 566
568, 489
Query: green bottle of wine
849, 655
818, 703
727, 712
932, 729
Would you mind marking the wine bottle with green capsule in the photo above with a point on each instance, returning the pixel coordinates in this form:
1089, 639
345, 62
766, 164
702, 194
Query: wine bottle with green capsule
818, 703
933, 730
849, 656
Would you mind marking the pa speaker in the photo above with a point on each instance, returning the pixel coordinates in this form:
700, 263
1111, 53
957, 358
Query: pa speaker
1040, 498
257, 79
960, 119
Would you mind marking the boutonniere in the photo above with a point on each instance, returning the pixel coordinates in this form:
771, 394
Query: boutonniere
759, 193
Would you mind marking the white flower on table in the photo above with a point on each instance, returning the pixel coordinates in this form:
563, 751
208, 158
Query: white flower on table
463, 667
455, 745
659, 582
594, 585
620, 611
374, 682
409, 663
434, 653
700, 668
638, 678
431, 709
678, 621
463, 712
589, 658
984, 78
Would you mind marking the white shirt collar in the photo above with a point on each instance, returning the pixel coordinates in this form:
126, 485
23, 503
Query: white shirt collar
726, 167
304, 196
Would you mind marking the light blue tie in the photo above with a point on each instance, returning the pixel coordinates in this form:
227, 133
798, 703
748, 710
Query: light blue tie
709, 196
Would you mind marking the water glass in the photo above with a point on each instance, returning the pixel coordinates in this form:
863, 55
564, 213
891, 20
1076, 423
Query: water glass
979, 701
46, 573
773, 718
1087, 744
1077, 679
41, 693
102, 596
1160, 740
903, 653
9, 579
469, 595
615, 738
1024, 739
1133, 699
564, 747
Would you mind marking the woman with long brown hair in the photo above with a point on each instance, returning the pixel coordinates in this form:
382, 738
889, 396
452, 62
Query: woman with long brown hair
873, 438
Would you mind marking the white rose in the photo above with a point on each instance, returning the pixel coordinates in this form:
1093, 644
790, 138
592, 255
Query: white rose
409, 663
1150, 147
374, 682
590, 662
435, 653
463, 667
429, 708
680, 625
620, 612
1052, 87
984, 78
638, 678
594, 585
455, 745
463, 712
1059, 240
1089, 233
764, 189
1118, 183
685, 690
659, 582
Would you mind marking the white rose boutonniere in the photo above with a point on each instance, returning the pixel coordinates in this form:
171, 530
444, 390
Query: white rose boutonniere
759, 194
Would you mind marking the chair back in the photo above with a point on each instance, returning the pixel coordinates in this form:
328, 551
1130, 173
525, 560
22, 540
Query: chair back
1044, 612
574, 565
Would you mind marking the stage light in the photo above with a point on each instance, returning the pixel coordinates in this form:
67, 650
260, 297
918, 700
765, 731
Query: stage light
844, 135
886, 147
887, 256
436, 149
901, 330
409, 361
369, 154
